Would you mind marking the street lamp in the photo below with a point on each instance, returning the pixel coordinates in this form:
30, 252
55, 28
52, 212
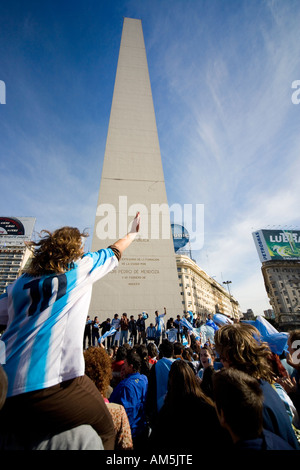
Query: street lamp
227, 283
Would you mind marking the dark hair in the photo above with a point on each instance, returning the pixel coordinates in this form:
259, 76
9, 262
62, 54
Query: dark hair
121, 353
56, 251
294, 336
166, 348
178, 348
183, 385
240, 397
207, 378
209, 349
187, 354
152, 350
142, 351
134, 359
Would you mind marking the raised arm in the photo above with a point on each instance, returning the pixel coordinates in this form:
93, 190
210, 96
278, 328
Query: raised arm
122, 244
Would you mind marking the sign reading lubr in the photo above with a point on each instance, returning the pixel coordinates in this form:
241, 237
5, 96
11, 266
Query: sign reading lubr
277, 244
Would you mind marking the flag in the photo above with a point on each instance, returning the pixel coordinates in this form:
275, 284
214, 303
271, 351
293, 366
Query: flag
212, 324
172, 335
206, 332
108, 333
184, 322
184, 341
191, 316
221, 320
276, 340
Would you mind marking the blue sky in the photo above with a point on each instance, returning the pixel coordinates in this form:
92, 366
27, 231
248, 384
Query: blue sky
221, 74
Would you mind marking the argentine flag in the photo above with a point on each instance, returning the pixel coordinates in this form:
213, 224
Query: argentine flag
206, 333
276, 340
108, 333
184, 322
222, 320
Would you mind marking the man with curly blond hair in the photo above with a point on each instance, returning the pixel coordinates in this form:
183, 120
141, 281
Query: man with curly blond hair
44, 312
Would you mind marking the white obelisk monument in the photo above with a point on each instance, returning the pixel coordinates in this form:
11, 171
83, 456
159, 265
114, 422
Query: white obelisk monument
133, 179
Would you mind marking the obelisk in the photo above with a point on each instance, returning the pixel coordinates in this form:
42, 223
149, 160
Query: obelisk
132, 179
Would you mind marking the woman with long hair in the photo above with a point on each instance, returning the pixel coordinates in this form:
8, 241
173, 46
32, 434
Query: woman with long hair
239, 346
186, 412
45, 311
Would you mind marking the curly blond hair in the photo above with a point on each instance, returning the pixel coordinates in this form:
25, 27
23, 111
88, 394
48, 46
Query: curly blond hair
241, 346
56, 251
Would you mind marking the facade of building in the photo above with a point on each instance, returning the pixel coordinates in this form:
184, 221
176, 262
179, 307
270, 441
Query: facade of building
282, 283
269, 314
249, 315
201, 294
13, 260
14, 254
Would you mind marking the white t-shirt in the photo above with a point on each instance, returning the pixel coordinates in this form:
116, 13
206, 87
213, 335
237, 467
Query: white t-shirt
45, 318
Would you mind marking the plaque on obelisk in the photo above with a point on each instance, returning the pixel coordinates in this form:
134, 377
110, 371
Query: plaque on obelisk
132, 180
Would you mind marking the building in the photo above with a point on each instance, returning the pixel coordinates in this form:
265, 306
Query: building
282, 283
249, 315
133, 180
269, 314
201, 294
279, 252
14, 254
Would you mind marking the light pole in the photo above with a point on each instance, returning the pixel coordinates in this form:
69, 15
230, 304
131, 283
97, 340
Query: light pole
227, 283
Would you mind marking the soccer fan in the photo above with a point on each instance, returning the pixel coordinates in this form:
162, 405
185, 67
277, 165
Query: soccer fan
45, 311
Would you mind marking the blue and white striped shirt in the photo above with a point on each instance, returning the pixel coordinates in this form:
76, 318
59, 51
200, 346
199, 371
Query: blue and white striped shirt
45, 318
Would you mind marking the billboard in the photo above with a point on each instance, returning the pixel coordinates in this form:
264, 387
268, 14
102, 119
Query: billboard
180, 236
277, 244
15, 229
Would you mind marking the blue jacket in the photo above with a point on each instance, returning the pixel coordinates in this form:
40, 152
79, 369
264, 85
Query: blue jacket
269, 441
275, 417
162, 369
131, 392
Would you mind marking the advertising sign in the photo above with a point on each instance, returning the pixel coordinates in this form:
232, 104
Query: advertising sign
14, 230
180, 236
277, 244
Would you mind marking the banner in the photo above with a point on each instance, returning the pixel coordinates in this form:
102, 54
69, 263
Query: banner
221, 320
108, 333
172, 335
206, 333
184, 322
276, 340
277, 244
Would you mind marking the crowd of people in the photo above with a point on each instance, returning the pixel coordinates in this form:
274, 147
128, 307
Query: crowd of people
136, 331
68, 384
242, 394
230, 388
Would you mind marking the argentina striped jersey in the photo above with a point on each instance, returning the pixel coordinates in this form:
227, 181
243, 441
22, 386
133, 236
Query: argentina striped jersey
45, 318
